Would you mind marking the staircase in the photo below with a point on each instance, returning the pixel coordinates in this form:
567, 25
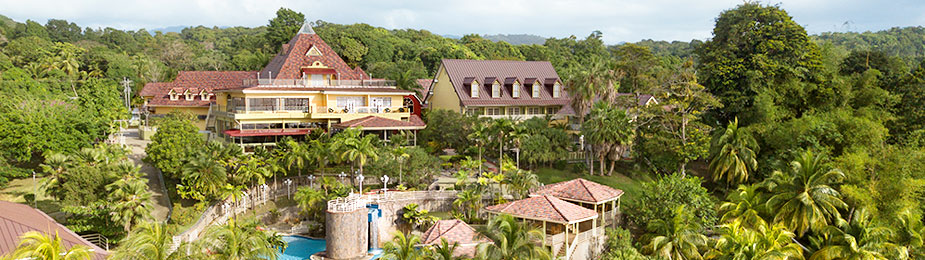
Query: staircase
210, 119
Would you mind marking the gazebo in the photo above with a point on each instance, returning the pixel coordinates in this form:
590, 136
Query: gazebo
564, 223
454, 231
595, 196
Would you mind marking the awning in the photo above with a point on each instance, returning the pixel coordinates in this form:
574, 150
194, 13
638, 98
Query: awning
266, 132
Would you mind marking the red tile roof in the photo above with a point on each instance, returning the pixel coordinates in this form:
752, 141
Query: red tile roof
17, 219
267, 132
454, 230
462, 72
579, 190
381, 123
292, 57
194, 81
424, 86
546, 208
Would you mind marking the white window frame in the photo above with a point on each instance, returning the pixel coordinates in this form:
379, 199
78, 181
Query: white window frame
474, 89
189, 95
556, 90
493, 111
536, 90
204, 95
496, 90
173, 95
515, 90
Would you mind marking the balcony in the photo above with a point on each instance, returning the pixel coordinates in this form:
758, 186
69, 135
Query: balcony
323, 83
271, 111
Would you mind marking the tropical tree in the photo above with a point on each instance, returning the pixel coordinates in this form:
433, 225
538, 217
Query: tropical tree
35, 245
501, 127
54, 167
444, 250
147, 241
416, 217
738, 242
203, 177
610, 130
732, 155
400, 153
678, 238
319, 151
804, 197
358, 149
859, 239
131, 201
311, 201
233, 241
297, 155
479, 136
512, 239
520, 182
746, 204
402, 247
469, 201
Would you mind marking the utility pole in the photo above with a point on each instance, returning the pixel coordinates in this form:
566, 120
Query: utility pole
127, 93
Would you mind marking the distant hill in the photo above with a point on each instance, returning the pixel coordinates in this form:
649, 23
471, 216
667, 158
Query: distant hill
176, 29
517, 39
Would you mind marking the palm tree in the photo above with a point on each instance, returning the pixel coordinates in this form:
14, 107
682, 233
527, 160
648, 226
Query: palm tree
761, 242
444, 250
319, 151
468, 201
520, 182
804, 197
147, 241
400, 153
501, 127
512, 240
297, 156
402, 248
55, 166
131, 201
859, 239
205, 176
611, 130
35, 245
746, 205
237, 242
677, 238
359, 150
733, 154
479, 136
405, 81
310, 200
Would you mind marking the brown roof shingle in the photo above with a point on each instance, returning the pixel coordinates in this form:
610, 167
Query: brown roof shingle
194, 81
375, 122
460, 72
454, 231
292, 57
546, 208
17, 219
579, 189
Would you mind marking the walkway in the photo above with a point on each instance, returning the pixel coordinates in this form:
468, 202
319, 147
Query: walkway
137, 148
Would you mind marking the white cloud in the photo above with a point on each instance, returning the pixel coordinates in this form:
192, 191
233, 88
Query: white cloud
619, 20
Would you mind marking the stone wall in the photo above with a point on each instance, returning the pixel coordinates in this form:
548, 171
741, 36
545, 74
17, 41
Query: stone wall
346, 234
391, 208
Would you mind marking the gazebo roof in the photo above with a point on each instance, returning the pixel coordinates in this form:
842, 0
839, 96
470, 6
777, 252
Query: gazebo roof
454, 231
579, 190
546, 208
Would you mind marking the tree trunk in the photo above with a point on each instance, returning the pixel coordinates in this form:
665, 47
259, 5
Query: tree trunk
683, 162
480, 159
610, 172
501, 155
603, 158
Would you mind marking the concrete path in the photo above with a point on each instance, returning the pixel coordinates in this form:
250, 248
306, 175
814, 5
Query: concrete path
137, 147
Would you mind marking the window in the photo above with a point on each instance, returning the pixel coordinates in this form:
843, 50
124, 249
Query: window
296, 104
474, 89
534, 111
552, 110
514, 111
515, 90
381, 102
313, 52
204, 95
556, 90
473, 111
262, 104
189, 95
496, 90
536, 89
350, 103
492, 111
173, 95
235, 104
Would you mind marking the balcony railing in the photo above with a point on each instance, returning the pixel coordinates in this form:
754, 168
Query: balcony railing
361, 110
311, 109
324, 83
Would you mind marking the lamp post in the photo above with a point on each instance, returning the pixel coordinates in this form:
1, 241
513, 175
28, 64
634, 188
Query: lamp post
342, 176
288, 183
264, 192
517, 150
385, 182
360, 179
311, 180
35, 192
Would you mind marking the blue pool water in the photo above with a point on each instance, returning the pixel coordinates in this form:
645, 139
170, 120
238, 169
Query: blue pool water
301, 247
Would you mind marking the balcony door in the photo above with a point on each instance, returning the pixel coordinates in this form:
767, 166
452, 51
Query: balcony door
380, 103
317, 80
350, 103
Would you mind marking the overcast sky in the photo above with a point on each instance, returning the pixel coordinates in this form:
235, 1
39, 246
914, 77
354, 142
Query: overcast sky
619, 20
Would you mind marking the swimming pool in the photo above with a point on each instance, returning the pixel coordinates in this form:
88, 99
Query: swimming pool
301, 247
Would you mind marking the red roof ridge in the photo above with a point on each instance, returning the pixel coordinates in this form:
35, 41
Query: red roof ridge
553, 205
583, 185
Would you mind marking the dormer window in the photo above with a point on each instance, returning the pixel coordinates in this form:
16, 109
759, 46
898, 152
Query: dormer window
204, 95
556, 90
474, 89
313, 51
536, 90
496, 89
189, 95
173, 95
515, 90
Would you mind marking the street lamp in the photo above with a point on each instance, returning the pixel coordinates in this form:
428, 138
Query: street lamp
360, 179
263, 192
288, 183
311, 180
35, 192
342, 176
385, 182
517, 150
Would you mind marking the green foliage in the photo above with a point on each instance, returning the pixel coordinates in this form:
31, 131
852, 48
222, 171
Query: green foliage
284, 26
402, 247
452, 133
417, 218
148, 241
172, 143
678, 237
733, 154
805, 197
658, 199
237, 240
609, 130
35, 245
513, 239
619, 245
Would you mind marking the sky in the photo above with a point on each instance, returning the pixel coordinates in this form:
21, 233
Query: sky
618, 20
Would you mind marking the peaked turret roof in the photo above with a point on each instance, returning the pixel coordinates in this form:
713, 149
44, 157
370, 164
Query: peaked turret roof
293, 57
306, 29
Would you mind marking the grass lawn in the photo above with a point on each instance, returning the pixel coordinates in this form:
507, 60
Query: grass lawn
629, 186
17, 188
